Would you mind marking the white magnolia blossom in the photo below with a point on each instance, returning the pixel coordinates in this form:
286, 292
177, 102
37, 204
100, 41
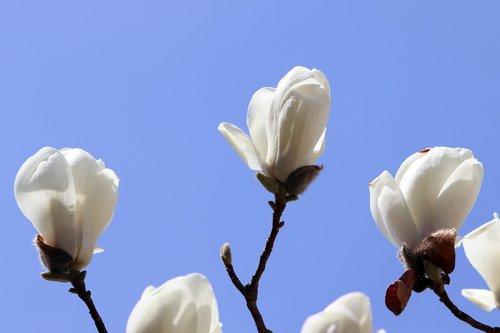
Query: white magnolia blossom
287, 124
185, 304
70, 198
350, 313
433, 189
482, 248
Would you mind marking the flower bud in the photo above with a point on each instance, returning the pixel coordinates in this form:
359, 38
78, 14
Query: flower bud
185, 304
433, 189
300, 179
287, 125
347, 314
225, 254
70, 197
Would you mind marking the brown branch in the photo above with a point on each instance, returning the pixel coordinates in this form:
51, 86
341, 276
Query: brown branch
234, 278
77, 280
250, 291
443, 297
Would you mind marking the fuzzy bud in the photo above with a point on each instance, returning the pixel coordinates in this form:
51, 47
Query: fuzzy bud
225, 254
439, 249
54, 259
298, 181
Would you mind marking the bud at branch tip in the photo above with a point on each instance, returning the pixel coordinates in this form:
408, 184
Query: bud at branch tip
225, 254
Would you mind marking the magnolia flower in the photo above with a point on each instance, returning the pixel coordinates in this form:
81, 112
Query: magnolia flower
185, 304
433, 189
483, 251
287, 124
69, 197
350, 313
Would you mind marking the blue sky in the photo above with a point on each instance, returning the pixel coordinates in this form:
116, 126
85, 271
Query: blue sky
144, 84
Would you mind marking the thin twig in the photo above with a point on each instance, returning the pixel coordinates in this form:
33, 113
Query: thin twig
77, 279
234, 278
250, 291
443, 297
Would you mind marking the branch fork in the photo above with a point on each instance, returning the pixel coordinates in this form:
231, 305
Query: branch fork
250, 291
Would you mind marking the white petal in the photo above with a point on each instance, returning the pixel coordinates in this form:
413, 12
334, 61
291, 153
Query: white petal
423, 181
183, 304
307, 80
482, 298
258, 113
45, 193
458, 195
482, 250
408, 162
84, 168
243, 145
321, 78
350, 313
319, 148
97, 194
375, 187
390, 212
163, 310
330, 323
98, 212
359, 305
302, 121
206, 305
294, 76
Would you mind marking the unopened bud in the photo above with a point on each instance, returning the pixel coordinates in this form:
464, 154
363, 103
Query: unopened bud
225, 254
298, 181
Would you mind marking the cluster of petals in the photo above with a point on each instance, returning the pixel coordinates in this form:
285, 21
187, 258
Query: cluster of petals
433, 189
287, 124
70, 198
350, 313
185, 304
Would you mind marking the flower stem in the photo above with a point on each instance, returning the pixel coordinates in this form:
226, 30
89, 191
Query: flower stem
77, 280
443, 297
250, 291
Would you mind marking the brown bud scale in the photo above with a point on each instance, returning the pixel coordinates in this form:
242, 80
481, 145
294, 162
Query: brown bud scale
54, 259
398, 293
